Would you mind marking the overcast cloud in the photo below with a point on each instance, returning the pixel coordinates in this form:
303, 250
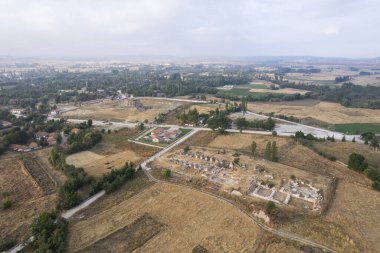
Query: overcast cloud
47, 28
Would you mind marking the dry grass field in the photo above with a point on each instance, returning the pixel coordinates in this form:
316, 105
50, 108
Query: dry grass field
349, 221
31, 191
111, 110
181, 218
330, 113
97, 165
111, 153
342, 150
205, 108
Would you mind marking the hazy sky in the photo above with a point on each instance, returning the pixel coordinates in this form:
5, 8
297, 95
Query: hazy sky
51, 28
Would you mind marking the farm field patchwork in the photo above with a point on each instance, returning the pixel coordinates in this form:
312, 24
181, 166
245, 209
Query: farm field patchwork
31, 191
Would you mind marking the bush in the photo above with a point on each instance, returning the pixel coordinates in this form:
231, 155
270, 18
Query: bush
274, 133
7, 203
270, 206
372, 174
357, 162
4, 246
376, 185
167, 173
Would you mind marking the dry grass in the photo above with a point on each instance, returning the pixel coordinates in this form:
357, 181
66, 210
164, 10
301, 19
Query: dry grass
342, 150
205, 108
331, 113
80, 159
27, 195
110, 110
111, 153
190, 219
96, 165
356, 210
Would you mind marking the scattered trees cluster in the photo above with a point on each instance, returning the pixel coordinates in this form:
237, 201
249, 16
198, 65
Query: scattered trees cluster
357, 162
114, 179
271, 151
242, 123
83, 140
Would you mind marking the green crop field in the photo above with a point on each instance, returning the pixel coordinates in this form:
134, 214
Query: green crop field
357, 128
245, 91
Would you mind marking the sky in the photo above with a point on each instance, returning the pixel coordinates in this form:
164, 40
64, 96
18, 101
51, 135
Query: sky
195, 28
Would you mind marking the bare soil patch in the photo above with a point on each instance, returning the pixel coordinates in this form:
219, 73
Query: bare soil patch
134, 236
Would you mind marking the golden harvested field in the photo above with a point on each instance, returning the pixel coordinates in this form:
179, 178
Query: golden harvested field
28, 196
111, 153
111, 110
280, 91
80, 159
189, 219
330, 113
97, 165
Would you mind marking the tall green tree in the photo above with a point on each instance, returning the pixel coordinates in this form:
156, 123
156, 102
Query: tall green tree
253, 147
268, 151
274, 157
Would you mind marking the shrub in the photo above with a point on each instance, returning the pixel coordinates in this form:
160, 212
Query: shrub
372, 174
293, 177
167, 173
376, 185
7, 203
270, 206
357, 162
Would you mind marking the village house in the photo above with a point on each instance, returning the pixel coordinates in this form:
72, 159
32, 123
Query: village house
75, 130
55, 113
52, 138
5, 123
164, 135
17, 112
40, 135
19, 148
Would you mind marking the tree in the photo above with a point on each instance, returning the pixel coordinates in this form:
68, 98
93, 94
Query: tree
49, 231
268, 151
253, 147
241, 123
236, 160
141, 126
374, 143
292, 177
274, 133
332, 138
186, 149
353, 139
89, 122
344, 138
274, 157
357, 162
